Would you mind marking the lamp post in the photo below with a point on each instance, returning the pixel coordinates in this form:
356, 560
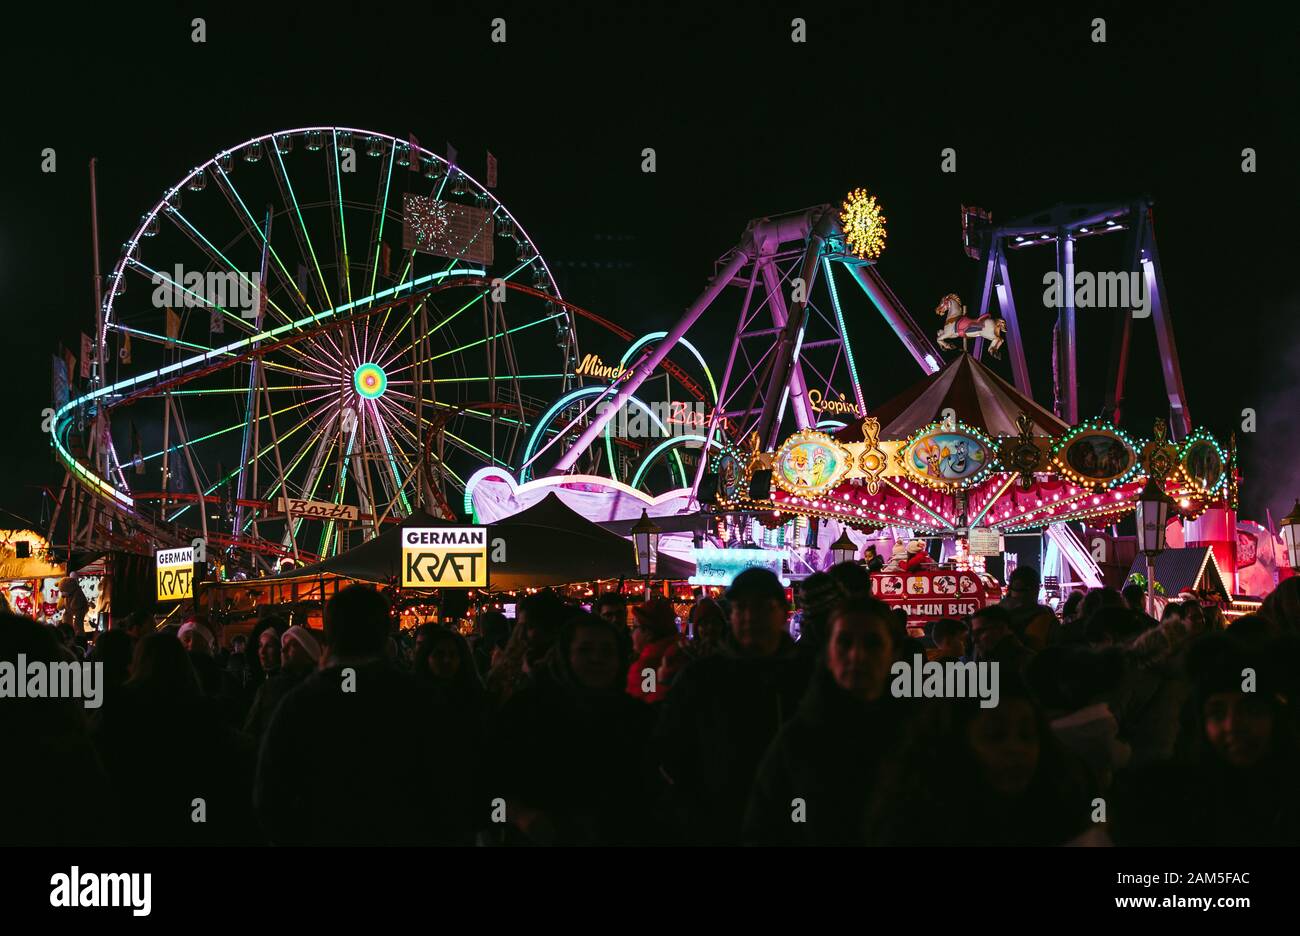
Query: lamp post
1291, 535
1152, 517
843, 549
645, 537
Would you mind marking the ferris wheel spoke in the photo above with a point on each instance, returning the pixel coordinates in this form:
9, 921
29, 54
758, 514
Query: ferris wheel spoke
375, 237
481, 414
321, 459
301, 234
292, 466
396, 492
464, 445
160, 339
227, 187
281, 367
498, 335
220, 432
241, 425
419, 447
337, 185
398, 333
379, 234
476, 297
157, 277
303, 239
199, 239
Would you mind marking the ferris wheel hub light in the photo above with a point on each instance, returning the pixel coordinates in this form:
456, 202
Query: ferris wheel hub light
370, 381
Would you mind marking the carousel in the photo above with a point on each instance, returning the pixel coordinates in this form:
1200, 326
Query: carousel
962, 456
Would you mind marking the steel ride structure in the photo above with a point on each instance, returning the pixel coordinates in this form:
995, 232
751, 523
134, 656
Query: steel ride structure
790, 358
1062, 227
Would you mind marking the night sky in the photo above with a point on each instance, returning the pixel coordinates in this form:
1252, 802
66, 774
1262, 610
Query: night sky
744, 123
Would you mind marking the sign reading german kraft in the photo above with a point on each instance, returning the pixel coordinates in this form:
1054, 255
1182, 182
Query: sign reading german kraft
175, 573
445, 557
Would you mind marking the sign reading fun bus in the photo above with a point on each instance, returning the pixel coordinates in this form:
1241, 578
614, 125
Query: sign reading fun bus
445, 557
175, 573
930, 594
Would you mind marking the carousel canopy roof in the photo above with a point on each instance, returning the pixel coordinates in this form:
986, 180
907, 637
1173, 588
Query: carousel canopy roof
979, 397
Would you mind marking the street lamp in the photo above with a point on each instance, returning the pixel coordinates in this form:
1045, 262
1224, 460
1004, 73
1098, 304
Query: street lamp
843, 549
645, 537
1152, 517
1291, 535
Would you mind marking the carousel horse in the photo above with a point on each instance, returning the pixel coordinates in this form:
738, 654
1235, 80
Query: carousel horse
957, 324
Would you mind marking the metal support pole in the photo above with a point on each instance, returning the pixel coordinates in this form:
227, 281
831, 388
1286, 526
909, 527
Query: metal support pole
1180, 420
1067, 364
1151, 585
1015, 346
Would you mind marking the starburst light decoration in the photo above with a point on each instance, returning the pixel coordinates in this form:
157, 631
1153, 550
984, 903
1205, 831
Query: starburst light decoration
864, 224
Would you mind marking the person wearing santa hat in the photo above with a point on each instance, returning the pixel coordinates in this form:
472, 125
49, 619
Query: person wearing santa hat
215, 681
301, 653
917, 557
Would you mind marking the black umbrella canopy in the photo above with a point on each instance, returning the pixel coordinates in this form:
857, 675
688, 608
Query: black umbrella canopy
547, 544
552, 544
376, 560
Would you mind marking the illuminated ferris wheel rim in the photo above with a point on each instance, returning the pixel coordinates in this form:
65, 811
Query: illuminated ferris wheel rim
129, 246
106, 396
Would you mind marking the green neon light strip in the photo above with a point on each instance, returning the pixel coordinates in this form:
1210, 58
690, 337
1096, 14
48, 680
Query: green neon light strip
306, 419
512, 377
161, 339
287, 471
383, 214
392, 464
197, 233
654, 453
320, 274
502, 334
328, 533
343, 228
202, 300
262, 234
654, 336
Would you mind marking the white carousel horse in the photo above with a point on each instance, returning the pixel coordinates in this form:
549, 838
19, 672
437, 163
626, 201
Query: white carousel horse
957, 324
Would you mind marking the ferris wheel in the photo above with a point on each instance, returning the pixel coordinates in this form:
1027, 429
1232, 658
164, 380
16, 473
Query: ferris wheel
318, 330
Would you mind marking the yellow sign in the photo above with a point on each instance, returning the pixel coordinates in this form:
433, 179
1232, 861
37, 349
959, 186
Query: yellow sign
175, 573
445, 557
840, 407
593, 366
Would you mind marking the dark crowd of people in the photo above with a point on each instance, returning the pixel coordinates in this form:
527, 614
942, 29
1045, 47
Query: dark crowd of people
622, 726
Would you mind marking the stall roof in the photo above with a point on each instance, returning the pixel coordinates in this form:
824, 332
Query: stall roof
1187, 569
547, 544
551, 544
